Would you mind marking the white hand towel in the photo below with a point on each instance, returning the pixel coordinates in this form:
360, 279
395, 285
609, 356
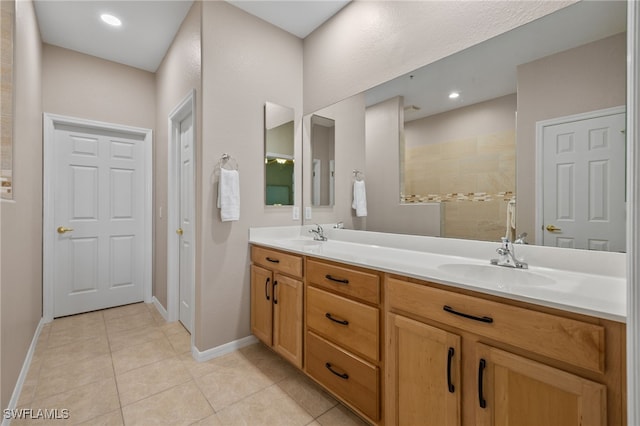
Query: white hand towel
359, 198
229, 195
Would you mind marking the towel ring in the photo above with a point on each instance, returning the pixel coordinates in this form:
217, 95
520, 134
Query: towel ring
358, 175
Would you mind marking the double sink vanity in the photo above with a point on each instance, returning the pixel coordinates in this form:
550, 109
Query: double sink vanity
423, 330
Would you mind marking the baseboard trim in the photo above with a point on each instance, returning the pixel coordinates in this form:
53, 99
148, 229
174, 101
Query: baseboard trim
218, 351
160, 308
13, 402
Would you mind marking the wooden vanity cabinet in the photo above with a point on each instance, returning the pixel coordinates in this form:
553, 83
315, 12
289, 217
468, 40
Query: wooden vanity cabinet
343, 318
467, 359
277, 301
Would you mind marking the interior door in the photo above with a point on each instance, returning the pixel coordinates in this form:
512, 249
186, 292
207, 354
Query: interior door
584, 184
186, 256
99, 216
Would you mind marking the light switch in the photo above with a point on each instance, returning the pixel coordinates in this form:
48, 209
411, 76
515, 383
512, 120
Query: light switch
296, 213
307, 213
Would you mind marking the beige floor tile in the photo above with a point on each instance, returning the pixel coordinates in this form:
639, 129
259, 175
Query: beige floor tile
180, 341
72, 375
151, 379
173, 328
157, 316
268, 362
212, 420
270, 406
113, 418
69, 336
340, 416
197, 369
126, 310
307, 394
129, 322
84, 402
232, 380
75, 352
77, 321
181, 405
143, 354
125, 338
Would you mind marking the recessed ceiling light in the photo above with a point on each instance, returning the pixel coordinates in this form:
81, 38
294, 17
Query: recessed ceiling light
454, 95
111, 20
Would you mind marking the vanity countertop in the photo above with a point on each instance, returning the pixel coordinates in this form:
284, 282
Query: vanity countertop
572, 280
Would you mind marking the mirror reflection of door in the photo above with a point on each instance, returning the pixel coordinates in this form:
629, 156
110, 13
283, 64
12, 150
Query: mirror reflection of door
279, 154
583, 181
323, 132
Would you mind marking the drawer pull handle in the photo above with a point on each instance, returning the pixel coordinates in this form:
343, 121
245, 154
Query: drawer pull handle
449, 309
481, 367
275, 283
344, 376
338, 280
449, 358
272, 260
343, 322
266, 288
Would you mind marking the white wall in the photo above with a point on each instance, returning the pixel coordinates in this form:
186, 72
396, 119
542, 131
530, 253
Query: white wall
586, 78
177, 75
384, 122
21, 245
245, 63
370, 42
349, 148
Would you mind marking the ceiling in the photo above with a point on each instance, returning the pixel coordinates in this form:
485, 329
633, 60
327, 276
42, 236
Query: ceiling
149, 26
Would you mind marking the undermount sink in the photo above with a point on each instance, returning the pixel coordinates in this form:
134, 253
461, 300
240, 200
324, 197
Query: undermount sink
499, 275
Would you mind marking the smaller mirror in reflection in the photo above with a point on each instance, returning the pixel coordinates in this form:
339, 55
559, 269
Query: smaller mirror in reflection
279, 170
323, 135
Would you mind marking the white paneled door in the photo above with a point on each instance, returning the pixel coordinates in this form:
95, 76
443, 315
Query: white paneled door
584, 183
186, 221
99, 219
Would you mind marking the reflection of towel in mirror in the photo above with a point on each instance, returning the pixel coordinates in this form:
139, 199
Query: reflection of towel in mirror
511, 220
229, 195
359, 198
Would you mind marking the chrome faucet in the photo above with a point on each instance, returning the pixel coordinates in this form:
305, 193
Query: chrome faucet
318, 233
520, 239
507, 256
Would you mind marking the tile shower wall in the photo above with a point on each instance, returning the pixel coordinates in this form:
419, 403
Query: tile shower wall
465, 159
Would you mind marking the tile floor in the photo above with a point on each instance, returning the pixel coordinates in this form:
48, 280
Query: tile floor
127, 365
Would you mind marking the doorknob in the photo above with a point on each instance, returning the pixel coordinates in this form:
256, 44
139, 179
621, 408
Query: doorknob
552, 228
179, 231
62, 229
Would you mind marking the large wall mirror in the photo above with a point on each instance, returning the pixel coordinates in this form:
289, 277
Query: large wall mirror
521, 133
279, 152
7, 9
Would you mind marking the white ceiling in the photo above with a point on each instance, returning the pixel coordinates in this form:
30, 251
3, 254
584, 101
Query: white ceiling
149, 26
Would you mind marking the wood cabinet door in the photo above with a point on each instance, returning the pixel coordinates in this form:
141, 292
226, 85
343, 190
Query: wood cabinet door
423, 374
261, 304
287, 318
518, 391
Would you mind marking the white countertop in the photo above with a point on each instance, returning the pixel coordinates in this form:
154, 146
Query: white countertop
585, 282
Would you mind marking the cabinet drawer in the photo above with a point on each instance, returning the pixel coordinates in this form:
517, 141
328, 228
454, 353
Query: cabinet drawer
278, 261
350, 324
349, 281
578, 343
351, 378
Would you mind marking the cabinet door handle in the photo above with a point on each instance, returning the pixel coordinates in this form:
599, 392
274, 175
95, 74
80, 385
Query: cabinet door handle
343, 322
272, 260
344, 376
449, 309
266, 288
481, 367
338, 280
449, 359
275, 301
